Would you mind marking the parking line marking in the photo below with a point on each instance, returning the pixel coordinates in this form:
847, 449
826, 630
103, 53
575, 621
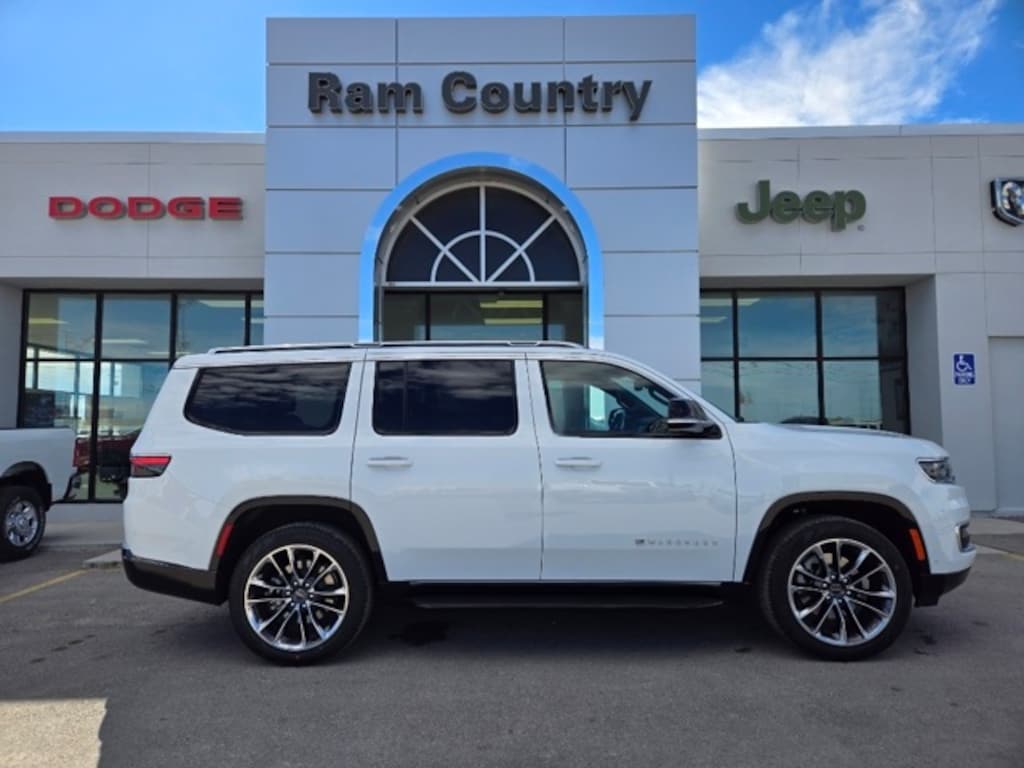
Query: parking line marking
35, 588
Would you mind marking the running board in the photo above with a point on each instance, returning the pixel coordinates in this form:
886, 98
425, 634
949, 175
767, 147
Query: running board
597, 597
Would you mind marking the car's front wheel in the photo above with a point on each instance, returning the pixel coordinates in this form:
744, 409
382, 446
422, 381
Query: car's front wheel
836, 587
22, 523
300, 593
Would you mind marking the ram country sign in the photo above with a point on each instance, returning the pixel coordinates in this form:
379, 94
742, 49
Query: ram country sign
461, 93
842, 207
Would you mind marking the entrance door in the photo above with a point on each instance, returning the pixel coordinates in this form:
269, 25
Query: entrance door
624, 501
1007, 375
446, 464
482, 316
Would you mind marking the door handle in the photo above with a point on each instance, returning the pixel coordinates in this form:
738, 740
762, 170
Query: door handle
578, 462
389, 462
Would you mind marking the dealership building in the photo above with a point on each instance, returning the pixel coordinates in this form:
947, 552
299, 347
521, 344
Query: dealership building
526, 178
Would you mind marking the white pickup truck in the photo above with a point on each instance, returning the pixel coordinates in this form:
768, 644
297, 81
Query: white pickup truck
36, 470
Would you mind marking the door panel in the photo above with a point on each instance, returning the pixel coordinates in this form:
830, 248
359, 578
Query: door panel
617, 507
450, 507
1007, 356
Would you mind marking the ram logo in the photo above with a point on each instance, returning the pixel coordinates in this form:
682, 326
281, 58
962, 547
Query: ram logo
1008, 200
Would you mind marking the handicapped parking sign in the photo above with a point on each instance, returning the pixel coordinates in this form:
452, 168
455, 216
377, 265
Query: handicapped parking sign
963, 368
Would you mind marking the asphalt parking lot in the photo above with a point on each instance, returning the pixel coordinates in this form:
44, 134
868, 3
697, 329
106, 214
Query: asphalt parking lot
96, 672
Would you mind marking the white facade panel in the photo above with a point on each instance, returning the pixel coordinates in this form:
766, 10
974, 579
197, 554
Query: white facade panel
899, 217
857, 148
298, 158
29, 231
335, 41
82, 151
501, 40
954, 146
651, 283
669, 344
209, 153
630, 38
723, 186
207, 238
958, 217
643, 219
966, 410
305, 221
661, 156
326, 328
422, 146
923, 360
289, 291
1004, 305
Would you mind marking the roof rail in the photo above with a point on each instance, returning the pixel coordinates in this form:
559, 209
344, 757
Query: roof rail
390, 344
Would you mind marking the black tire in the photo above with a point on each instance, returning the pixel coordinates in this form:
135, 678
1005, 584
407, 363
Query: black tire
846, 618
17, 541
355, 578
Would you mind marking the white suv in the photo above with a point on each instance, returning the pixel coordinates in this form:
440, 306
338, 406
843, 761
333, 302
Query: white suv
298, 482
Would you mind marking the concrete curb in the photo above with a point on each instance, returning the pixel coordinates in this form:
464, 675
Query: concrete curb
111, 559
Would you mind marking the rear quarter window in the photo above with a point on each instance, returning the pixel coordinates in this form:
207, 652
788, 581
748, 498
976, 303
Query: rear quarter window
287, 399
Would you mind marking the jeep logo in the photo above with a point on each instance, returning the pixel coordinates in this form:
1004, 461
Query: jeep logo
842, 207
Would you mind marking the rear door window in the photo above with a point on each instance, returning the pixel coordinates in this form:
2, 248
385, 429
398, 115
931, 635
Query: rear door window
445, 397
285, 399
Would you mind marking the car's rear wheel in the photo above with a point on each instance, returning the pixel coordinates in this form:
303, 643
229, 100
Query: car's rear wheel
301, 593
22, 523
836, 587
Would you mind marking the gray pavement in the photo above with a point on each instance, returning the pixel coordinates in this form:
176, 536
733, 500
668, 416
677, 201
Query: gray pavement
94, 672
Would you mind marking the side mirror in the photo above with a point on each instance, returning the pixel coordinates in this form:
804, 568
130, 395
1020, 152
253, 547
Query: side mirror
683, 423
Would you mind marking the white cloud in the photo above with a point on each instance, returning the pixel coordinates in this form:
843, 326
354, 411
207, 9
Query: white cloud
811, 68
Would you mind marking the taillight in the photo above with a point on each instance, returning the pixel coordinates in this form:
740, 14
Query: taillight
149, 466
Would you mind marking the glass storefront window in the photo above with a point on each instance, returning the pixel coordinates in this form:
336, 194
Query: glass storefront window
404, 317
718, 384
61, 325
59, 355
861, 325
207, 321
776, 324
785, 392
865, 393
136, 326
716, 325
127, 391
823, 356
565, 317
486, 316
256, 321
59, 394
494, 316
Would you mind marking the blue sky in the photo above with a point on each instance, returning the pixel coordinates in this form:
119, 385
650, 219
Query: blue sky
199, 64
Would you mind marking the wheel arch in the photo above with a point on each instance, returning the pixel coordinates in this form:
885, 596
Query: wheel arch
255, 517
888, 515
31, 474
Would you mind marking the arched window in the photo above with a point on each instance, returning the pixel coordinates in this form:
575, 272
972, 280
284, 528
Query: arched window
483, 234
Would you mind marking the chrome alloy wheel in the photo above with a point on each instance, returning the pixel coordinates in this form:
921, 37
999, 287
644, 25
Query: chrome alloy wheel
21, 522
842, 592
296, 597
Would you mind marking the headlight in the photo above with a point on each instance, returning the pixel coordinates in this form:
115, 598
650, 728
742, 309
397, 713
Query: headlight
938, 470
